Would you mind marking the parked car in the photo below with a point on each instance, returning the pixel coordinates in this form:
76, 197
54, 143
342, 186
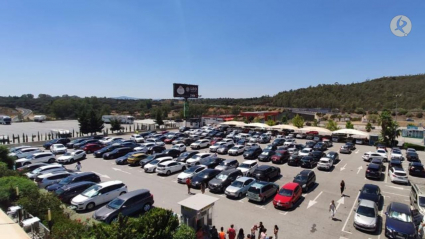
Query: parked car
172, 152
30, 167
252, 153
72, 156
366, 216
395, 163
45, 169
247, 167
180, 147
154, 149
134, 158
224, 179
374, 171
213, 148
281, 156
317, 155
70, 145
345, 150
325, 163
308, 162
150, 158
204, 177
278, 142
351, 146
224, 149
99, 153
25, 152
41, 157
417, 197
151, 166
69, 191
58, 149
333, 155
126, 205
261, 191
295, 160
369, 156
305, 152
371, 192
48, 179
90, 148
239, 187
62, 141
202, 143
157, 141
416, 169
236, 150
117, 153
266, 173
412, 156
186, 155
399, 221
75, 178
169, 167
320, 146
397, 154
398, 175
194, 160
306, 179
98, 194
81, 144
287, 196
228, 164
266, 155
190, 172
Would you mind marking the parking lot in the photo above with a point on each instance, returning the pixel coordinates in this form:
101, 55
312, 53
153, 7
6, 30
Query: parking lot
309, 219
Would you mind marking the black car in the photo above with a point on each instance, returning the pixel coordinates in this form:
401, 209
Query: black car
185, 156
211, 162
242, 141
83, 143
63, 141
310, 144
333, 155
266, 172
117, 153
412, 156
130, 144
320, 146
79, 177
68, 192
266, 156
99, 153
270, 147
224, 179
204, 177
70, 145
317, 155
278, 142
252, 153
156, 149
371, 192
150, 158
415, 169
308, 162
374, 171
306, 179
172, 152
295, 160
127, 204
395, 163
30, 167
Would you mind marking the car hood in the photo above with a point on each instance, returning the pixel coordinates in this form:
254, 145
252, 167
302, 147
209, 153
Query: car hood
198, 180
364, 220
184, 175
214, 147
281, 198
232, 189
243, 170
191, 160
65, 157
221, 168
54, 187
215, 181
368, 196
150, 166
80, 199
22, 160
104, 211
404, 227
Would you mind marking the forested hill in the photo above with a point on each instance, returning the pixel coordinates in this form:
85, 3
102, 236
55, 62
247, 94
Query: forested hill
370, 95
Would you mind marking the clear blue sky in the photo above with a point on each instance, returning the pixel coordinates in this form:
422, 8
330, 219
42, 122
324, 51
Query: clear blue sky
230, 48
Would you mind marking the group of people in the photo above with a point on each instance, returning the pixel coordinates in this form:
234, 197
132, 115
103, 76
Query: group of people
256, 232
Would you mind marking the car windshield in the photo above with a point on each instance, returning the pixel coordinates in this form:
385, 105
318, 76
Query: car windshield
400, 216
254, 190
396, 151
381, 151
329, 155
154, 162
265, 153
35, 171
207, 160
324, 161
65, 181
221, 177
370, 190
59, 191
235, 148
224, 163
300, 178
198, 142
285, 192
191, 170
366, 211
305, 159
244, 165
305, 151
237, 184
116, 203
91, 191
422, 201
67, 154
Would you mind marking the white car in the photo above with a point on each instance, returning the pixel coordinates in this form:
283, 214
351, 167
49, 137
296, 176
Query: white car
202, 143
169, 167
16, 149
144, 147
397, 154
43, 157
58, 149
305, 152
383, 153
366, 216
410, 150
251, 146
247, 167
151, 166
45, 180
325, 163
368, 156
180, 147
107, 140
98, 194
254, 139
236, 150
289, 142
398, 175
228, 141
45, 169
213, 148
137, 138
239, 187
194, 160
156, 141
190, 172
22, 153
72, 156
292, 151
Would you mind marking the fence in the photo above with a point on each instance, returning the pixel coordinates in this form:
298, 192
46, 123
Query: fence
35, 230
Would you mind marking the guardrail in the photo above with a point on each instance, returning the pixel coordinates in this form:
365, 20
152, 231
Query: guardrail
35, 230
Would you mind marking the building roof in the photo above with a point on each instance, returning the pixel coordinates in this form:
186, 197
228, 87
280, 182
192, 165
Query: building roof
198, 201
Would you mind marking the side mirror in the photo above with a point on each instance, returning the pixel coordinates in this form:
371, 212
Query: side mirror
124, 207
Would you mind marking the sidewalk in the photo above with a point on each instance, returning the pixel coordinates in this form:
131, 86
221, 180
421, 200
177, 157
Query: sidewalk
10, 229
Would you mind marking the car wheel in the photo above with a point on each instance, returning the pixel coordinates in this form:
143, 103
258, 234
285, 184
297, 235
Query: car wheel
90, 206
71, 161
147, 207
88, 151
198, 147
168, 173
263, 200
121, 193
52, 160
184, 168
239, 195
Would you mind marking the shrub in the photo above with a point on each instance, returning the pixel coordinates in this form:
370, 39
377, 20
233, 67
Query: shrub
27, 189
4, 157
419, 114
38, 204
5, 171
409, 114
184, 232
414, 146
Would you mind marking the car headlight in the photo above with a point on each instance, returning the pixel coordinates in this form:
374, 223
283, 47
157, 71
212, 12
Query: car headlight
389, 229
303, 186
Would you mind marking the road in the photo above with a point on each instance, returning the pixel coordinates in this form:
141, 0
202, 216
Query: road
310, 218
25, 113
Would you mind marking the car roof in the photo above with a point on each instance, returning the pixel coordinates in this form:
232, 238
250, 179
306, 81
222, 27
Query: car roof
229, 171
249, 161
397, 168
290, 186
243, 179
80, 174
416, 164
42, 153
366, 203
53, 174
52, 166
230, 160
77, 184
168, 162
305, 172
201, 154
109, 183
373, 165
325, 159
263, 167
131, 194
399, 207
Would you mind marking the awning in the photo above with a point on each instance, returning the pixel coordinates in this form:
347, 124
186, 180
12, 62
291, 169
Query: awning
257, 125
284, 126
234, 123
351, 132
318, 129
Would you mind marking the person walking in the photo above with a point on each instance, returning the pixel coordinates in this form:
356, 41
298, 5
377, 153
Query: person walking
253, 230
222, 235
78, 166
241, 235
214, 233
421, 230
276, 231
342, 188
263, 234
188, 183
332, 209
260, 229
231, 232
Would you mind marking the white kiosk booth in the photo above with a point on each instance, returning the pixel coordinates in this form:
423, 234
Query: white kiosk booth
197, 211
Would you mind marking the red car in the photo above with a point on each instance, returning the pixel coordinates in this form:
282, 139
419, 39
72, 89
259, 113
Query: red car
163, 132
215, 140
170, 140
90, 148
281, 156
287, 196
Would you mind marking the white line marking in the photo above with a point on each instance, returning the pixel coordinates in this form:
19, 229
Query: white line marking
262, 207
349, 215
343, 167
400, 188
360, 168
283, 213
312, 202
396, 194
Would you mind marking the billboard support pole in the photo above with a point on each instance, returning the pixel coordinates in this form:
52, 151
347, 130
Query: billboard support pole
186, 108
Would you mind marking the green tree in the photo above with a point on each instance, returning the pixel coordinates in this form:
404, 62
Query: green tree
389, 127
349, 125
5, 158
419, 115
256, 120
8, 185
115, 124
284, 119
158, 117
315, 123
270, 122
368, 127
123, 228
95, 122
184, 232
298, 121
84, 121
332, 125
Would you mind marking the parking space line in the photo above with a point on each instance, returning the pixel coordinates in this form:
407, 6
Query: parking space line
396, 194
174, 181
262, 207
349, 215
400, 188
283, 213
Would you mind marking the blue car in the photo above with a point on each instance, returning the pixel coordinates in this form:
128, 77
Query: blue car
123, 159
400, 221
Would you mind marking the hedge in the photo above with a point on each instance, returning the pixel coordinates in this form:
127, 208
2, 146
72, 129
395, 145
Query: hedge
414, 146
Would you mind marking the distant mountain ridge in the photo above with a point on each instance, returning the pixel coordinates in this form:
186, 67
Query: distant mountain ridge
125, 98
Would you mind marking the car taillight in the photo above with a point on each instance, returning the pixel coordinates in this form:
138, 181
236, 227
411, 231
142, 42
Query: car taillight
368, 170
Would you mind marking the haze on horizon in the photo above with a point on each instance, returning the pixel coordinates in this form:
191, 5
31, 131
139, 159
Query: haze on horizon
233, 49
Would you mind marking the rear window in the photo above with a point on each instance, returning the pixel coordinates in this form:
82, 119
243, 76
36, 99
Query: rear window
400, 174
254, 190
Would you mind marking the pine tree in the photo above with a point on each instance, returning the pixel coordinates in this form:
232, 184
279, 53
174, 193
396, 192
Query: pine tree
96, 122
115, 125
84, 122
298, 121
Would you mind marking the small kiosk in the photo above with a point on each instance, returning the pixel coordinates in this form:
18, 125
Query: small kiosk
197, 211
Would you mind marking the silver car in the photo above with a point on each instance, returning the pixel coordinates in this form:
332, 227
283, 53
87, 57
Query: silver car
366, 216
44, 180
45, 169
239, 187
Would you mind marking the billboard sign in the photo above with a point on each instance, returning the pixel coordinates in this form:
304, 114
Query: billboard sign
185, 90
